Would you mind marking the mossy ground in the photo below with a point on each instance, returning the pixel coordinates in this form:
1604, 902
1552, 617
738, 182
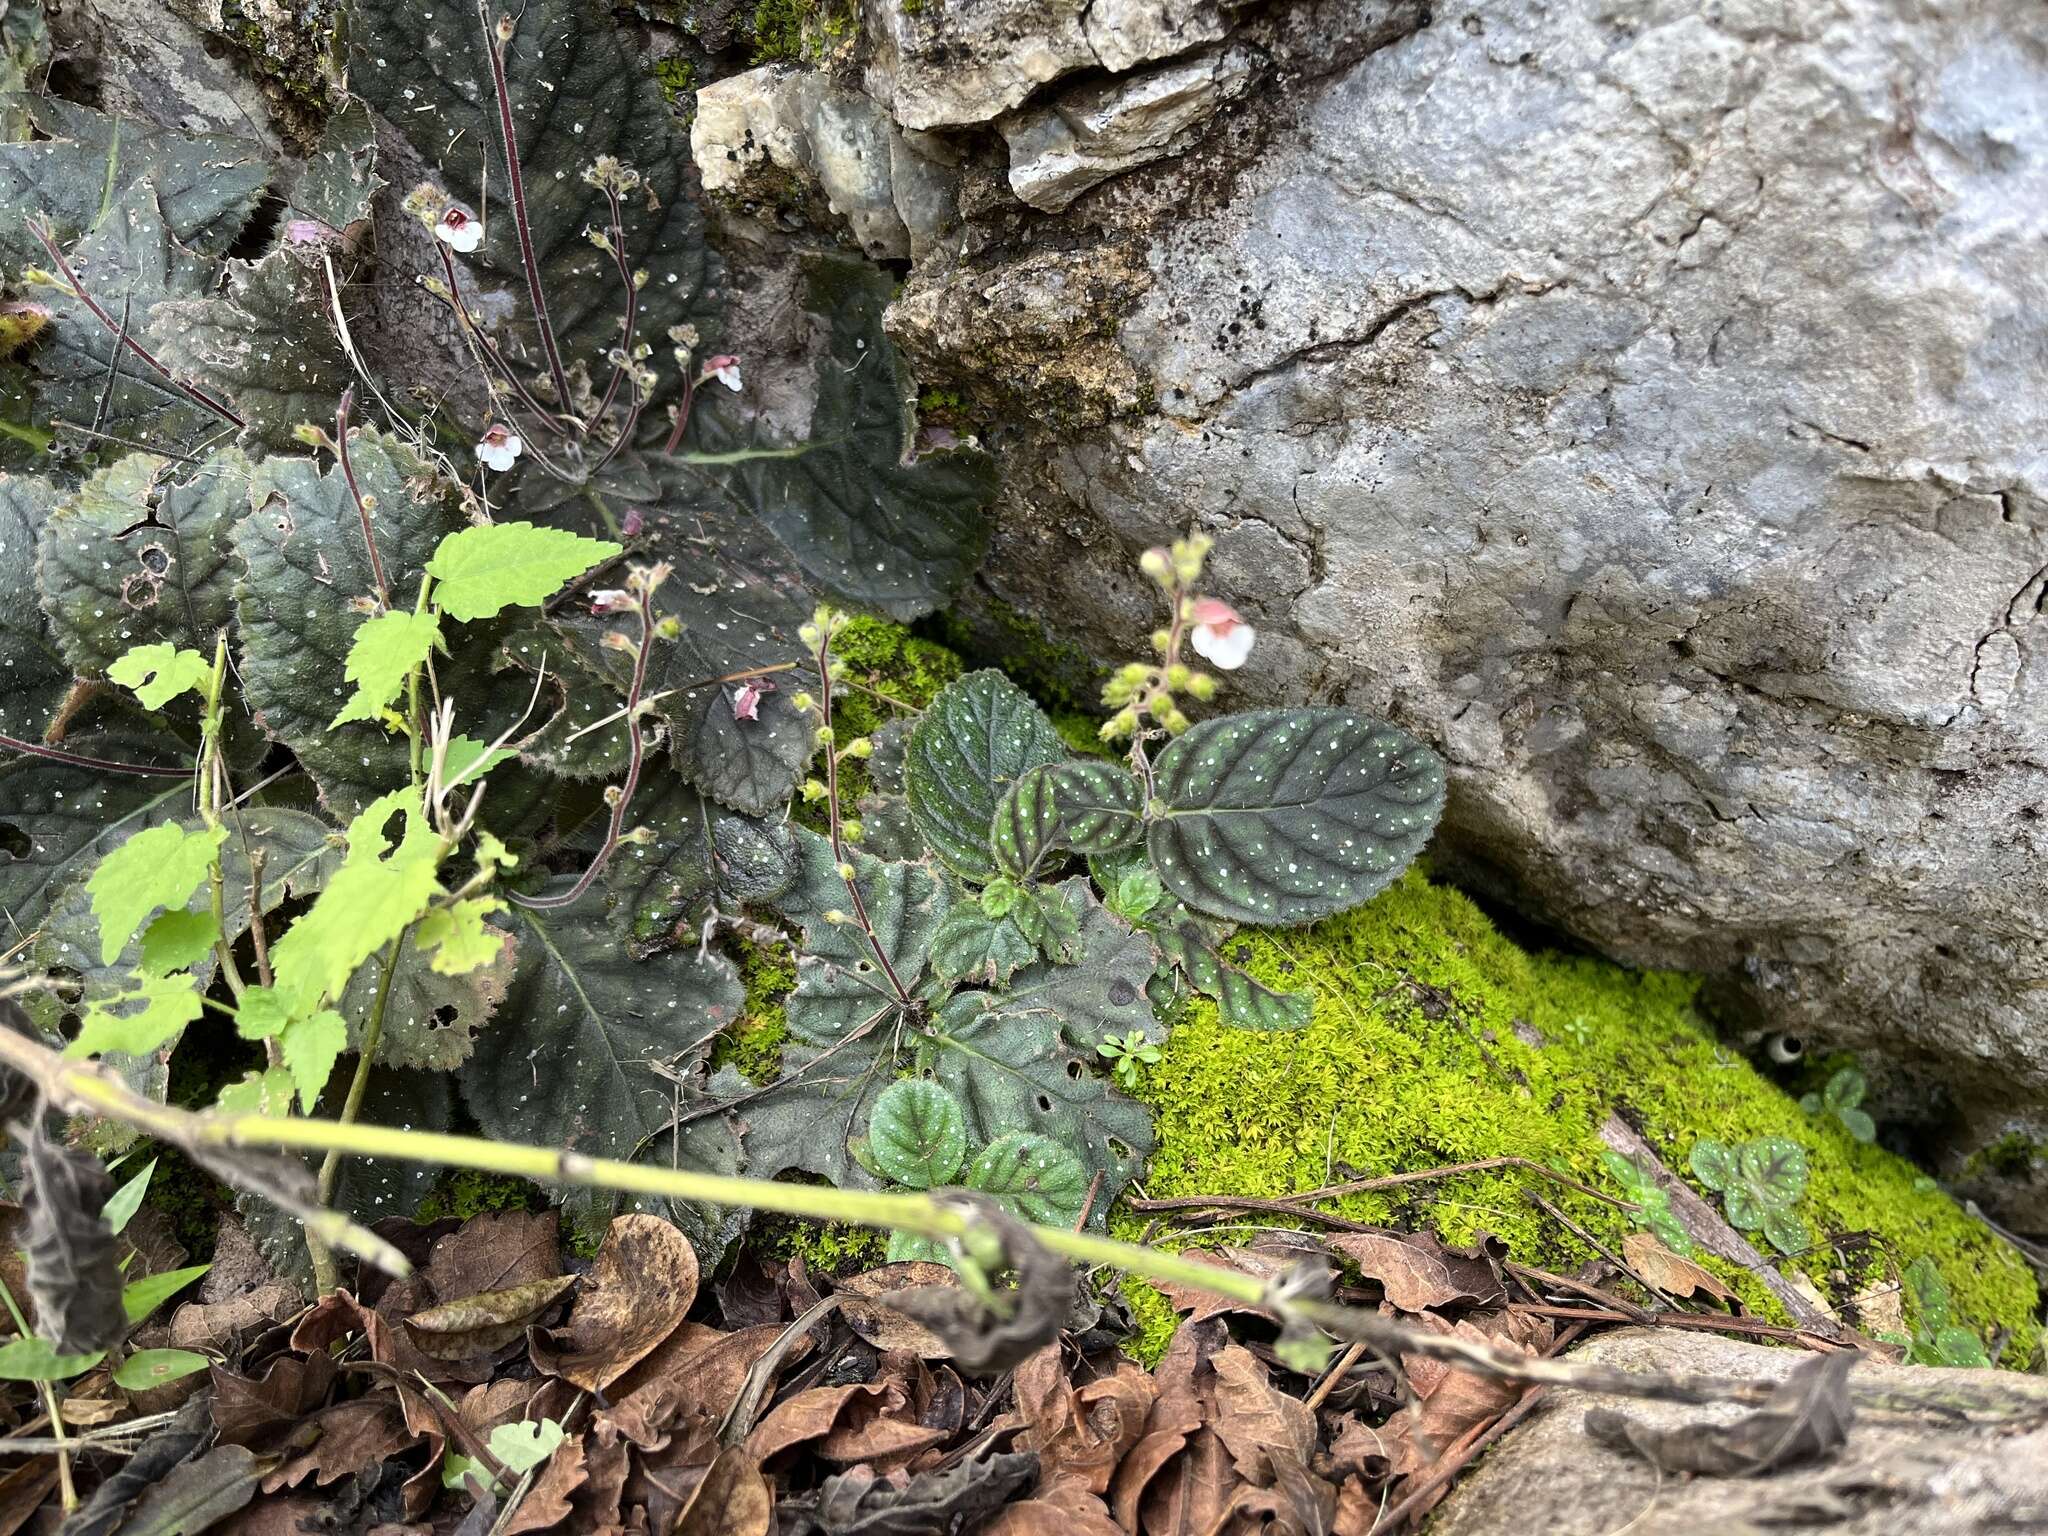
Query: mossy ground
1436, 1041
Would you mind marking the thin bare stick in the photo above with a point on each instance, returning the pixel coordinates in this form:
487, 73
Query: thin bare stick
1391, 1180
80, 760
348, 473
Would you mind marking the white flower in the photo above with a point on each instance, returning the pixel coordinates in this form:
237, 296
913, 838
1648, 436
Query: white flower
460, 228
746, 700
499, 447
1220, 637
725, 369
609, 600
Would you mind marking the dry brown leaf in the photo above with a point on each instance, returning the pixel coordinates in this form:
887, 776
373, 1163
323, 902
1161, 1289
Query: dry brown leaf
495, 1251
1200, 1304
700, 1383
863, 1304
1416, 1271
221, 1325
1671, 1273
810, 1416
1265, 1431
1455, 1400
643, 1282
732, 1499
547, 1501
1189, 1497
246, 1409
1061, 1510
484, 1323
23, 1488
352, 1437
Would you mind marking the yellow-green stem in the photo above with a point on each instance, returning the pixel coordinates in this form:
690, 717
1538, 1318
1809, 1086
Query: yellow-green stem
324, 1273
52, 1405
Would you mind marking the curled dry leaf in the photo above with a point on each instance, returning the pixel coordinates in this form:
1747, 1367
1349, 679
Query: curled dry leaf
483, 1324
547, 1502
858, 1502
74, 1273
1451, 1401
984, 1340
864, 1303
1416, 1271
643, 1282
1265, 1431
495, 1251
348, 1438
1673, 1274
1806, 1419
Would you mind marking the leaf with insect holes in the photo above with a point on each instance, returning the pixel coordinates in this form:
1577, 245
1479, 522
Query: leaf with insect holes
978, 737
1034, 1176
266, 346
1290, 815
66, 817
157, 674
431, 1018
334, 185
917, 1134
866, 521
482, 570
79, 379
1012, 1072
131, 560
808, 1117
385, 650
1102, 991
34, 674
304, 565
575, 1050
139, 1020
207, 184
578, 91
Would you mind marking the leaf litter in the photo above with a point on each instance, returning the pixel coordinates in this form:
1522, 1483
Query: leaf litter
503, 1388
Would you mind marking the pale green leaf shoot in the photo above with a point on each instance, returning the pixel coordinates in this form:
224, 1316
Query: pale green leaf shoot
481, 571
159, 867
157, 674
380, 659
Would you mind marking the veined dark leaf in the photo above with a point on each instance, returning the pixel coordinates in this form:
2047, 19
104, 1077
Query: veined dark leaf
334, 185
126, 560
1289, 815
1099, 806
34, 676
867, 522
577, 91
972, 947
697, 849
578, 1056
980, 735
1102, 993
917, 1134
206, 185
841, 988
58, 820
806, 1118
1243, 1002
1012, 1072
1025, 828
1034, 1176
267, 345
430, 1020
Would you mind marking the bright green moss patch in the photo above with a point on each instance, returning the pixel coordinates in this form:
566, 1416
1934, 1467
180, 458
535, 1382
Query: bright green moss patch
465, 1192
1436, 1041
826, 1248
753, 1043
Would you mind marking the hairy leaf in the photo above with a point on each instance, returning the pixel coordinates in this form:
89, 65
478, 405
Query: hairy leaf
577, 91
1099, 806
1025, 828
1289, 815
206, 185
1102, 993
158, 867
807, 1117
574, 1056
1243, 1002
657, 884
34, 676
56, 820
866, 521
842, 988
139, 1020
305, 564
267, 345
1034, 1176
1012, 1072
980, 735
917, 1134
309, 1048
127, 560
970, 946
481, 571
383, 654
430, 1019
334, 185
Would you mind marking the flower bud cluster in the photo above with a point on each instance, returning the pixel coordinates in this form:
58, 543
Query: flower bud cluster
1139, 690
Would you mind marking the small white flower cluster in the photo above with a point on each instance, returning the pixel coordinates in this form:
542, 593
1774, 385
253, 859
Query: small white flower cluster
1217, 631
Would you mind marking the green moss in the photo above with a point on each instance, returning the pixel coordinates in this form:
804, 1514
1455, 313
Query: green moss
889, 673
1156, 1320
466, 1192
825, 1247
754, 1041
677, 77
989, 632
2011, 1156
1436, 1041
789, 31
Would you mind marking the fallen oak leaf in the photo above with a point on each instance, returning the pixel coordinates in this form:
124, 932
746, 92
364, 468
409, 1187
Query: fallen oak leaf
352, 1437
1673, 1274
495, 1251
864, 1301
1265, 1431
639, 1289
484, 1323
1807, 1419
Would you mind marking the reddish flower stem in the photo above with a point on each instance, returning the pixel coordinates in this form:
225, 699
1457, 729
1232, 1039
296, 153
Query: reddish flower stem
348, 473
79, 760
860, 906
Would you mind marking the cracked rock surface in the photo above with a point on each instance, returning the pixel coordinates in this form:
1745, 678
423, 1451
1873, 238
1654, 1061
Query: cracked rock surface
1644, 403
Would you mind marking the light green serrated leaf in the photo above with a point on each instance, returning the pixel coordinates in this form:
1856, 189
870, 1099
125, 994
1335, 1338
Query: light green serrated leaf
140, 1021
1034, 1176
481, 571
310, 1047
157, 674
381, 657
259, 1093
458, 936
148, 1368
467, 760
141, 1297
175, 940
158, 867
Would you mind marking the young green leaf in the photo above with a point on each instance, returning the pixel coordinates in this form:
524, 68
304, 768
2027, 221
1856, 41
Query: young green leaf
1960, 1347
1290, 815
310, 1046
159, 867
140, 1020
37, 1359
482, 570
917, 1134
157, 674
175, 940
458, 936
1033, 1175
148, 1368
122, 1205
382, 656
1713, 1163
